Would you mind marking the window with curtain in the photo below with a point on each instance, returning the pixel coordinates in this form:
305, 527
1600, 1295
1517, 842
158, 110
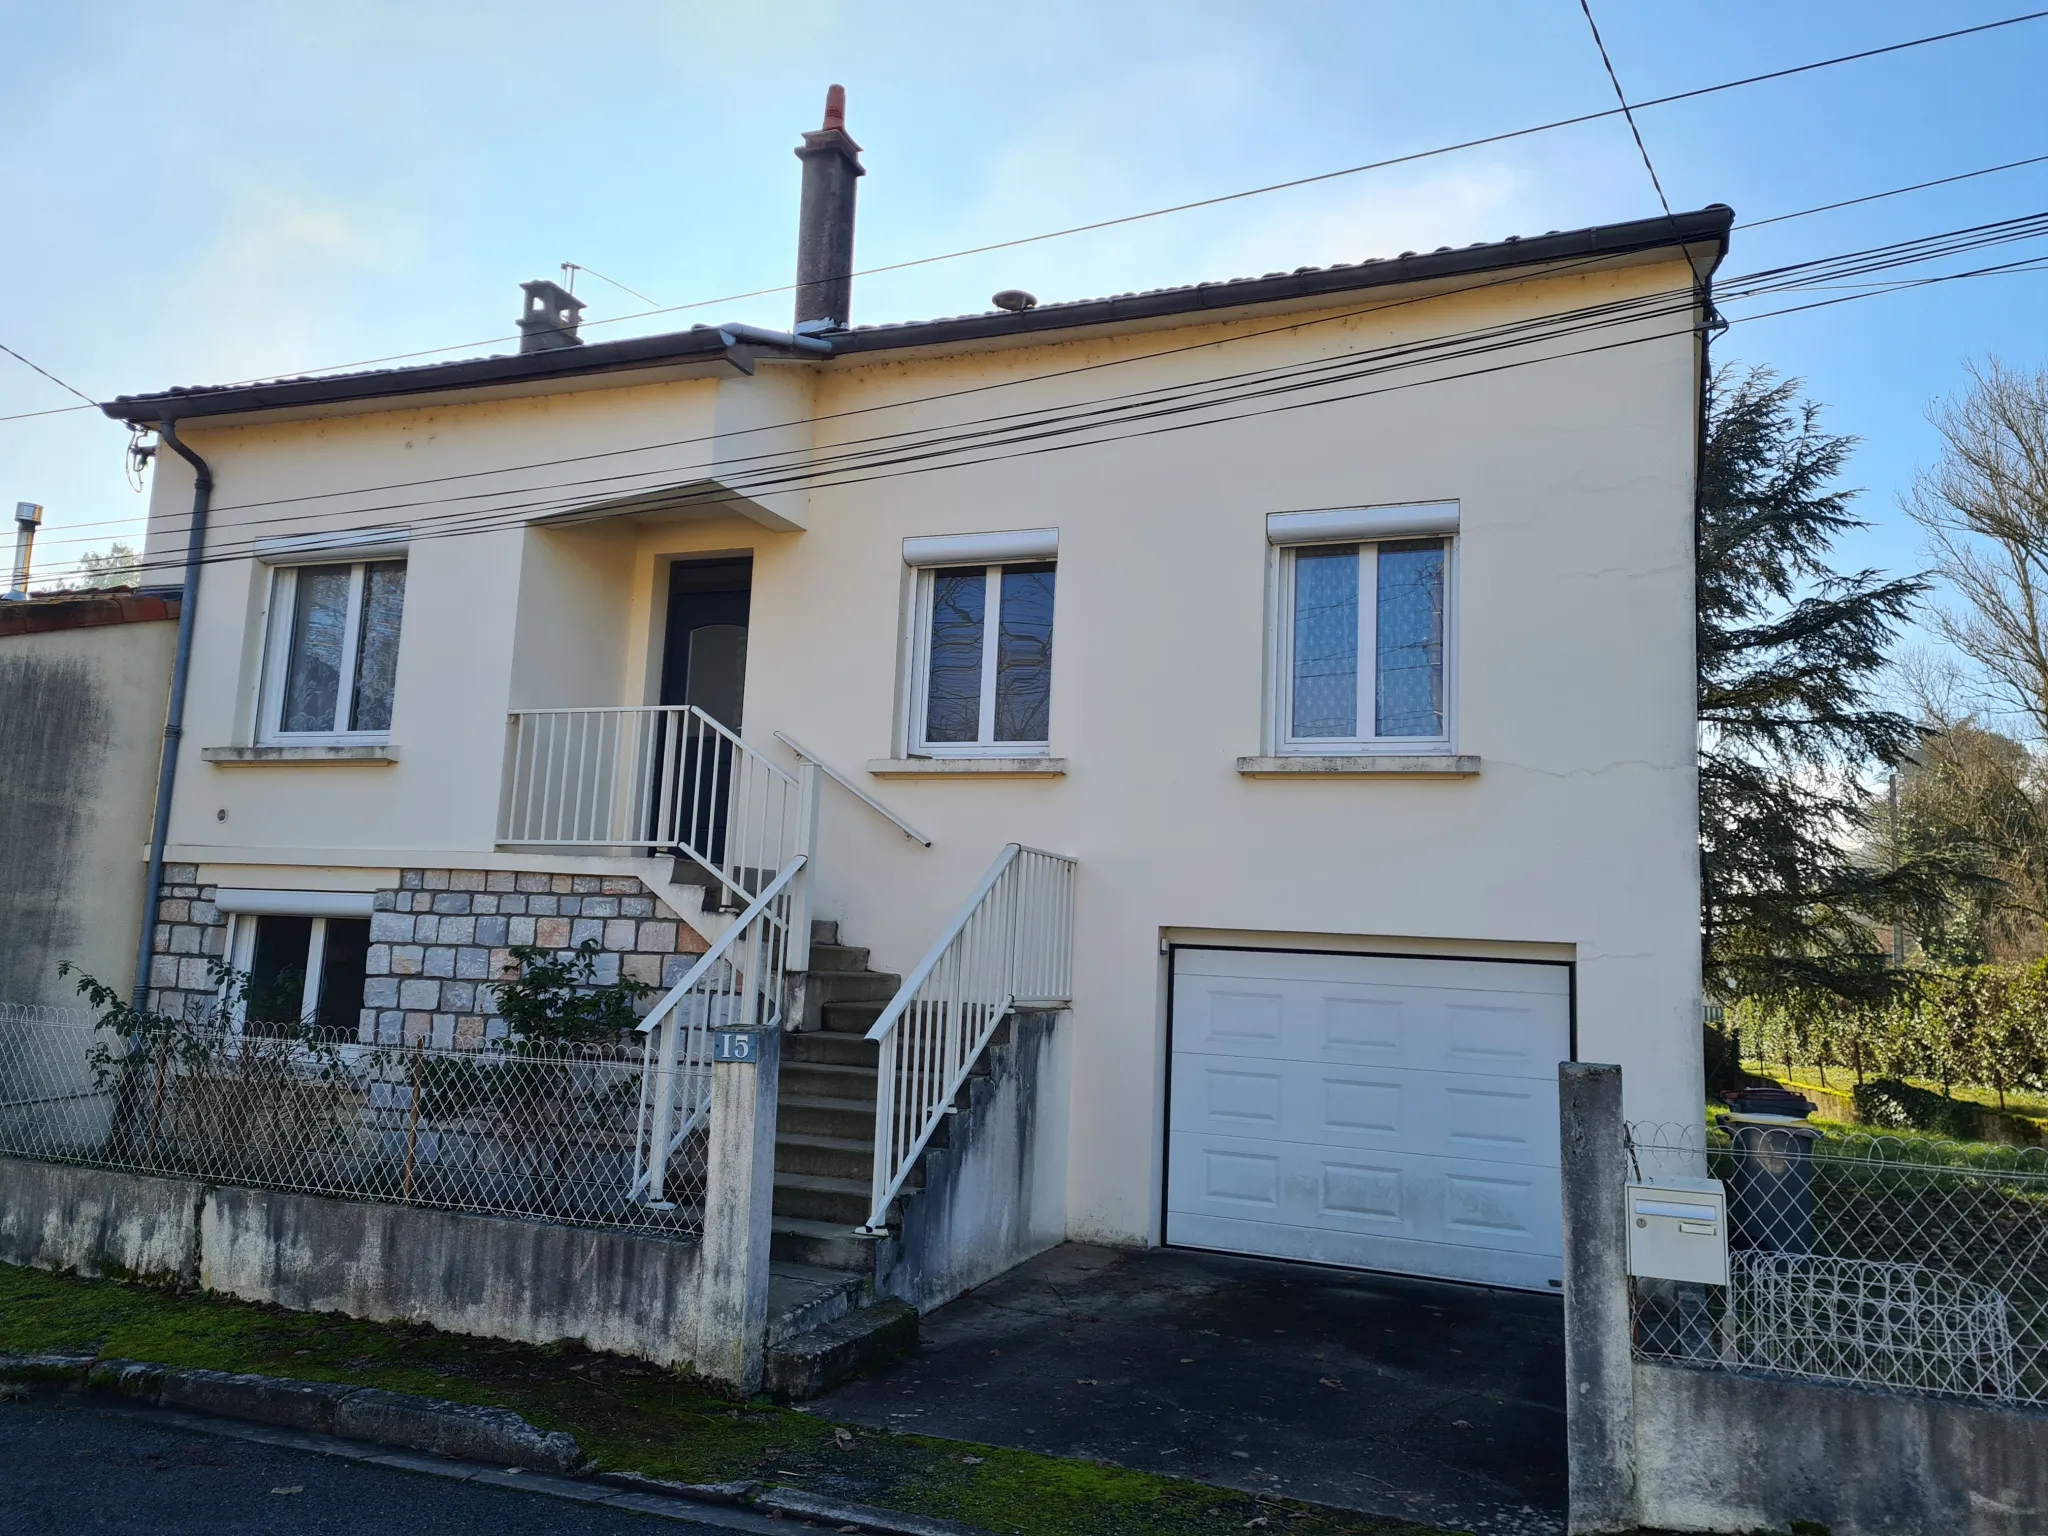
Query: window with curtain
984, 680
333, 657
1364, 645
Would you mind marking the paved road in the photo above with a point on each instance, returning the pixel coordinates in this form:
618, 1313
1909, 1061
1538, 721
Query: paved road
90, 1470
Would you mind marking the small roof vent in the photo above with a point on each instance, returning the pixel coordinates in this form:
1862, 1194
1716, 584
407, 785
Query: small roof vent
1015, 300
552, 315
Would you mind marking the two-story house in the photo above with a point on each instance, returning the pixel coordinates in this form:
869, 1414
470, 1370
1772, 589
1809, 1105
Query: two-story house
1336, 625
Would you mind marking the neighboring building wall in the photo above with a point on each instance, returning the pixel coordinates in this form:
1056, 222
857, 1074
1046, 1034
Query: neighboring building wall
439, 938
82, 686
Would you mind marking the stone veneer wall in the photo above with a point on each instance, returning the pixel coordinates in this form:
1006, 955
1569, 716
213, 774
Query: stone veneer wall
437, 939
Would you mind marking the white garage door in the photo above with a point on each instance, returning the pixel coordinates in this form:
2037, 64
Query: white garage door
1374, 1112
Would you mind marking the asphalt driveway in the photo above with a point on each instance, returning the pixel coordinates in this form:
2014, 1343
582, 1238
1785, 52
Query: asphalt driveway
1436, 1403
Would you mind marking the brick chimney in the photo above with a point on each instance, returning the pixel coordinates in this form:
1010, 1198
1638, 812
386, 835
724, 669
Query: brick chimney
824, 237
551, 317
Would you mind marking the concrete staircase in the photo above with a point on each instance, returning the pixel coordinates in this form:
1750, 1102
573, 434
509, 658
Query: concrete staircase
825, 1114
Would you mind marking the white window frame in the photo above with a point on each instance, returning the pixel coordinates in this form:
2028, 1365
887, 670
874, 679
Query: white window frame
991, 628
241, 952
1280, 680
284, 591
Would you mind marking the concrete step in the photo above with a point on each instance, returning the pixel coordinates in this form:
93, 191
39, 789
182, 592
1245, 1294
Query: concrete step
825, 1244
838, 957
820, 1360
852, 1018
839, 1157
855, 986
820, 1197
824, 1115
829, 1048
803, 1297
828, 1080
824, 931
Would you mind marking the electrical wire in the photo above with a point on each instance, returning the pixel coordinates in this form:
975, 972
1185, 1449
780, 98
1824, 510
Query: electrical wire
910, 458
1833, 267
1237, 196
39, 368
1622, 97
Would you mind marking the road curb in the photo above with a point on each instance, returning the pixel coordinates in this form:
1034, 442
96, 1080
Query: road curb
353, 1413
455, 1431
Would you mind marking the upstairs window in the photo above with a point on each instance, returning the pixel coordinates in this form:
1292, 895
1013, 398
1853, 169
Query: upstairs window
333, 652
1364, 629
983, 684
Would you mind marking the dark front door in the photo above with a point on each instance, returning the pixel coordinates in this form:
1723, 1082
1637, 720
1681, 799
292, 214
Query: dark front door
704, 662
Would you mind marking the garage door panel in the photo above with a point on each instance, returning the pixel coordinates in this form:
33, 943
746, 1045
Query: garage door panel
1385, 1113
1442, 1201
1440, 1028
1393, 1254
1468, 1115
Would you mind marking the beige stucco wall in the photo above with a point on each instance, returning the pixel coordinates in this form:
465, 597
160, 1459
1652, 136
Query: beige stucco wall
81, 725
1573, 657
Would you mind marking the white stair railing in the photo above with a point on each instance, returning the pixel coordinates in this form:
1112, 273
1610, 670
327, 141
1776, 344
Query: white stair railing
664, 778
738, 983
1010, 947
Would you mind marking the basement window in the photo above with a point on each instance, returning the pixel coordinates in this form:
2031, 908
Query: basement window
301, 970
332, 657
982, 684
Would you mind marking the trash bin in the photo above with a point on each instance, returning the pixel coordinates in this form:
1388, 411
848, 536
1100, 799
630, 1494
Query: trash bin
1770, 1187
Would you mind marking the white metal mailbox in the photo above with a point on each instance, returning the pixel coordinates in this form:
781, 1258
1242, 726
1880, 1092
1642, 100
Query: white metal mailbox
1678, 1230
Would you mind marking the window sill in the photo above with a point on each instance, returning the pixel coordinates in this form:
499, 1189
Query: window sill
1360, 766
985, 767
374, 752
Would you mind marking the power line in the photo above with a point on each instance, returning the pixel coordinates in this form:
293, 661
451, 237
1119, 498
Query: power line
1872, 197
863, 457
88, 399
1779, 218
1917, 249
59, 410
909, 458
573, 267
1248, 192
1622, 97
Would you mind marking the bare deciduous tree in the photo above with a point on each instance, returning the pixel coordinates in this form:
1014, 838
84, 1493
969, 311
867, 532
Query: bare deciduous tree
1985, 510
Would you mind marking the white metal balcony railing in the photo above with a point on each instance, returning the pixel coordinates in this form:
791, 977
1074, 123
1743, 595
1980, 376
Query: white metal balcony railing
1010, 947
663, 778
738, 983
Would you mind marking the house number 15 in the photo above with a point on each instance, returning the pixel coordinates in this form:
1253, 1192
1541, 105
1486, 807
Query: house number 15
740, 1045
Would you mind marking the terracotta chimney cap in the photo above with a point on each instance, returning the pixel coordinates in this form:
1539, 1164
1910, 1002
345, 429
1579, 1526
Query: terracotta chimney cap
835, 107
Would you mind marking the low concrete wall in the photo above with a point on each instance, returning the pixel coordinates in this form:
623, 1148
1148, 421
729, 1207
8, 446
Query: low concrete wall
468, 1274
995, 1194
1722, 1452
95, 1223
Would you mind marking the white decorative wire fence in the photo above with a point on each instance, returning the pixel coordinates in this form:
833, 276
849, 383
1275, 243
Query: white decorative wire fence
505, 1130
1904, 1264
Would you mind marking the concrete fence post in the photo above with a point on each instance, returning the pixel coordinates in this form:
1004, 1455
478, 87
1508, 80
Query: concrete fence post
1600, 1409
739, 1196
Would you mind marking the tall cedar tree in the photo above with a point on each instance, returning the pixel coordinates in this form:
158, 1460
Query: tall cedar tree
1789, 649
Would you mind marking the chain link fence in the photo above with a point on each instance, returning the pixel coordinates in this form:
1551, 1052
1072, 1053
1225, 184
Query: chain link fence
544, 1134
1905, 1264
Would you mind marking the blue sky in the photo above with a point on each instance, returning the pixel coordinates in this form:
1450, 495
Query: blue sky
204, 192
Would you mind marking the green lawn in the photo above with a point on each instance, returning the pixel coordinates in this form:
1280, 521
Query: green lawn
631, 1416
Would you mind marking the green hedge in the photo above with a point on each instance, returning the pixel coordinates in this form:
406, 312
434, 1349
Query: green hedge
1984, 1025
1903, 1107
